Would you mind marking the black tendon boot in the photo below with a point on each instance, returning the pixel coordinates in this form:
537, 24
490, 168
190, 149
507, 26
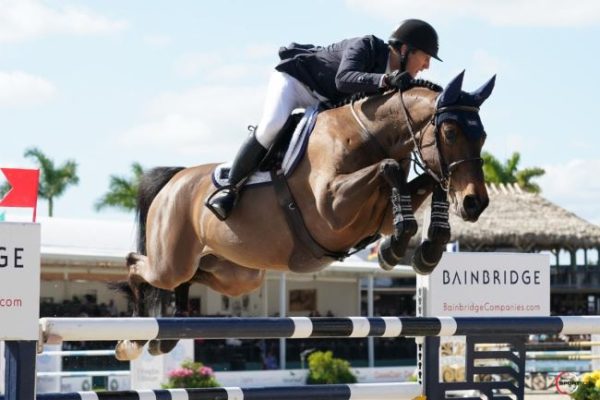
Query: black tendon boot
246, 161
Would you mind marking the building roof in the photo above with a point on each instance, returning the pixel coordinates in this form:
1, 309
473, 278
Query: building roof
80, 238
521, 220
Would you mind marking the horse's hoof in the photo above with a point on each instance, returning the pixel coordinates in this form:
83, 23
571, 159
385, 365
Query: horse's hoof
132, 258
158, 347
421, 265
128, 350
386, 256
383, 264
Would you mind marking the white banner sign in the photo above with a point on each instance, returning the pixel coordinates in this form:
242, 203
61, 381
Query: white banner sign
19, 280
488, 284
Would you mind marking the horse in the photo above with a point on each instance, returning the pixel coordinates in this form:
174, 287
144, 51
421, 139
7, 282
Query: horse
351, 184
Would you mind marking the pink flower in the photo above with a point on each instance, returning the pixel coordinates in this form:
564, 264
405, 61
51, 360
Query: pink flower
181, 373
205, 371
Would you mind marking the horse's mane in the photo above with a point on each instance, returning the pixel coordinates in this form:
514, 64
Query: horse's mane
409, 85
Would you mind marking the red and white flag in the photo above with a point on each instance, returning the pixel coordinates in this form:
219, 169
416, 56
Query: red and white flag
24, 188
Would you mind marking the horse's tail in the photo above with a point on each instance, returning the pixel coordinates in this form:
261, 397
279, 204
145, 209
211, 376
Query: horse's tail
150, 184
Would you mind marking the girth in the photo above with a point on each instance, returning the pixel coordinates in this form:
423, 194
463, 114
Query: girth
295, 221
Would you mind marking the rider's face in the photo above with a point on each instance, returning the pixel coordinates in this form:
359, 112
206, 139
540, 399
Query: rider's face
417, 61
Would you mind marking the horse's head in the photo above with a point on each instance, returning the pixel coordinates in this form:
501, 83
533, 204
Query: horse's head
451, 147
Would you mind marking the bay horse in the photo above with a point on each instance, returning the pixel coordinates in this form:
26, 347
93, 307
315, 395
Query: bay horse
351, 184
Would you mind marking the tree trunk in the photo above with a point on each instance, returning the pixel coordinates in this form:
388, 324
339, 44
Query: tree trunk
50, 206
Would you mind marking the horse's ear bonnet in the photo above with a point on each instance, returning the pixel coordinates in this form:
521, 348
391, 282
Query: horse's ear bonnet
453, 95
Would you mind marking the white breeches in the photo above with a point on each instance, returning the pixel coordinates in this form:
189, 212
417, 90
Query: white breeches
284, 94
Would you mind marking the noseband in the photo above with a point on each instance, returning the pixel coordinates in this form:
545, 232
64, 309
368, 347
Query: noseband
445, 174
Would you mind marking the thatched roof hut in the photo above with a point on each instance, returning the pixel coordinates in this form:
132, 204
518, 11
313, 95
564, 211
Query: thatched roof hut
522, 221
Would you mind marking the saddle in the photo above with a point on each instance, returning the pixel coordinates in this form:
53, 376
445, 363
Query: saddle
283, 156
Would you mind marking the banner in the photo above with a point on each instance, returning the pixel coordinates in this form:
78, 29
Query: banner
24, 188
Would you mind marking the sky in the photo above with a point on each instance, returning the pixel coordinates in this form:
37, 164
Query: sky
108, 83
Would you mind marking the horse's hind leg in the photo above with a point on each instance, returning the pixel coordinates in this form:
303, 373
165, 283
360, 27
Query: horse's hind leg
131, 349
156, 346
227, 277
218, 274
146, 300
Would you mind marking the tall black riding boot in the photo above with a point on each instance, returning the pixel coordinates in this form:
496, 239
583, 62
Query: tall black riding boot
246, 161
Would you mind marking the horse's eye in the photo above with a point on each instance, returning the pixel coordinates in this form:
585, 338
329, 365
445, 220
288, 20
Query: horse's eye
450, 135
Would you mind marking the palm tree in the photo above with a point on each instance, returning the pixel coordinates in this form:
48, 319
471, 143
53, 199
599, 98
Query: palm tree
122, 192
4, 188
53, 180
496, 172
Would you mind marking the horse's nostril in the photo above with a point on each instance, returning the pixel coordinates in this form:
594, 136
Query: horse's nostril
471, 204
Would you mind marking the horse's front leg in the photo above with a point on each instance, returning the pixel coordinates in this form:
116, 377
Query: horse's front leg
428, 254
392, 248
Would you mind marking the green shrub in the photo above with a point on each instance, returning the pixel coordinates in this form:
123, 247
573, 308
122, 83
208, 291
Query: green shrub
589, 387
324, 369
191, 375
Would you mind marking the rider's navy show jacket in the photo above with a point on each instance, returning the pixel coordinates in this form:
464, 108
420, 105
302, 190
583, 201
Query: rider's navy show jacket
338, 70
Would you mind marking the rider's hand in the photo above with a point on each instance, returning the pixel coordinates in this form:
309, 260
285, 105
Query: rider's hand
397, 79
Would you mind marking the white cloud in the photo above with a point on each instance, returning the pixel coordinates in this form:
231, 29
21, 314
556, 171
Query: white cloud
574, 186
496, 12
205, 120
210, 118
26, 19
21, 89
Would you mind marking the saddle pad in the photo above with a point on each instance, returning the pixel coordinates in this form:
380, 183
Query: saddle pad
292, 157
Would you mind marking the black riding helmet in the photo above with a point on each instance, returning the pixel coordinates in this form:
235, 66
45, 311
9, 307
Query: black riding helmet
417, 34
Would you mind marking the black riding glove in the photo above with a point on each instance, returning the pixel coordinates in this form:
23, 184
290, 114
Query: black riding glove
397, 79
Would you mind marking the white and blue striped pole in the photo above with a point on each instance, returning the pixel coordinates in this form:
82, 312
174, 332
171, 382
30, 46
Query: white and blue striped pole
365, 391
78, 329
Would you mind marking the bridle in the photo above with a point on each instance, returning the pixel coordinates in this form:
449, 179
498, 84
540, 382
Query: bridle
444, 176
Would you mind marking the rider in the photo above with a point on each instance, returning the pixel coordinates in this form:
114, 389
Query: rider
309, 75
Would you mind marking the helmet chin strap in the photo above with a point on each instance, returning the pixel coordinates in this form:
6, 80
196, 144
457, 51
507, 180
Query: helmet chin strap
404, 58
403, 62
